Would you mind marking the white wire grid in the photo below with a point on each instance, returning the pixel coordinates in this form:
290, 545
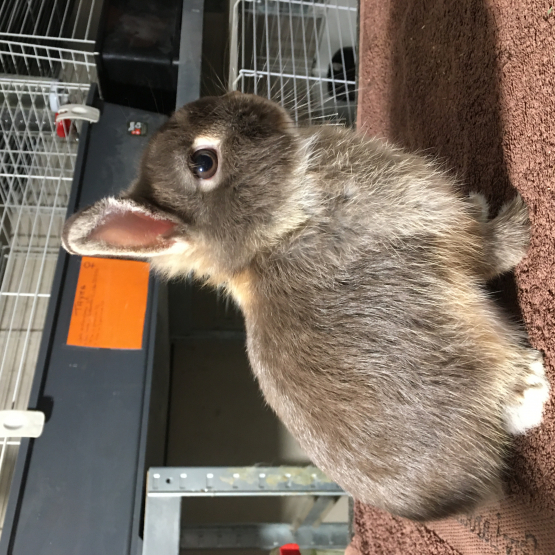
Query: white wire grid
36, 170
46, 38
46, 60
300, 53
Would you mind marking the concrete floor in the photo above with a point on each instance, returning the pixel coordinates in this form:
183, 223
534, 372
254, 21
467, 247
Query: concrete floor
217, 413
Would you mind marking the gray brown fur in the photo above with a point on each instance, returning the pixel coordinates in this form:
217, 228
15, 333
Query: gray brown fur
360, 270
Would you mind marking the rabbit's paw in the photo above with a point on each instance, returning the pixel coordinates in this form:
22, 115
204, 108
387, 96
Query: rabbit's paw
526, 409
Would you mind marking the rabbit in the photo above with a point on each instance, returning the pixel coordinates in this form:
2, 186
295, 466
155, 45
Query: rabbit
360, 270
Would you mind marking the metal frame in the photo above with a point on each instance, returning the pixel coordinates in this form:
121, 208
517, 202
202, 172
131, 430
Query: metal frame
166, 487
190, 52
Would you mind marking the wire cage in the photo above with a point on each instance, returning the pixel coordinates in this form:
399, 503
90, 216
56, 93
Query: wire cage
49, 38
46, 60
300, 53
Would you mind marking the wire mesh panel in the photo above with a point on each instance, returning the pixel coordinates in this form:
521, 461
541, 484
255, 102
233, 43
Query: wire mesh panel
49, 38
46, 61
36, 169
300, 53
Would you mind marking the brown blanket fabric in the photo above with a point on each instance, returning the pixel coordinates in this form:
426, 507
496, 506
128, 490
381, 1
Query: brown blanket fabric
473, 82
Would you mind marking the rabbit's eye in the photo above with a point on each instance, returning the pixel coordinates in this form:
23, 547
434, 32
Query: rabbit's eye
204, 163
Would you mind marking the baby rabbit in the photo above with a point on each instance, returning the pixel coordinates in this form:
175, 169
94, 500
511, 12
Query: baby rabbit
360, 270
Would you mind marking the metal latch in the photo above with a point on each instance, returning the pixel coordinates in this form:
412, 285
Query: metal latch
21, 423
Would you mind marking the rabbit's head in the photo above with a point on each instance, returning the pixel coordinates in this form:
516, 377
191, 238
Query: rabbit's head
221, 180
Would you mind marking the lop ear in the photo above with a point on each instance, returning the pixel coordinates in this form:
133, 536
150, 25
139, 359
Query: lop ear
121, 227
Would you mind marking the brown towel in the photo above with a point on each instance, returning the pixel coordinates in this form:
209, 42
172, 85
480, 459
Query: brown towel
473, 82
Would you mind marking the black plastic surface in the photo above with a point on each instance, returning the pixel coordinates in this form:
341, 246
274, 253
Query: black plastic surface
138, 53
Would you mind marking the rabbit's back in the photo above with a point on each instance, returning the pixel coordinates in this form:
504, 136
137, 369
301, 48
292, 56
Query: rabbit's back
373, 338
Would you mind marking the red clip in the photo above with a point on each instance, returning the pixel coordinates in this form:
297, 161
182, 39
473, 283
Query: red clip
290, 549
62, 127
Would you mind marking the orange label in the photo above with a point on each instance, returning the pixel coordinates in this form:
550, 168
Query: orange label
110, 304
